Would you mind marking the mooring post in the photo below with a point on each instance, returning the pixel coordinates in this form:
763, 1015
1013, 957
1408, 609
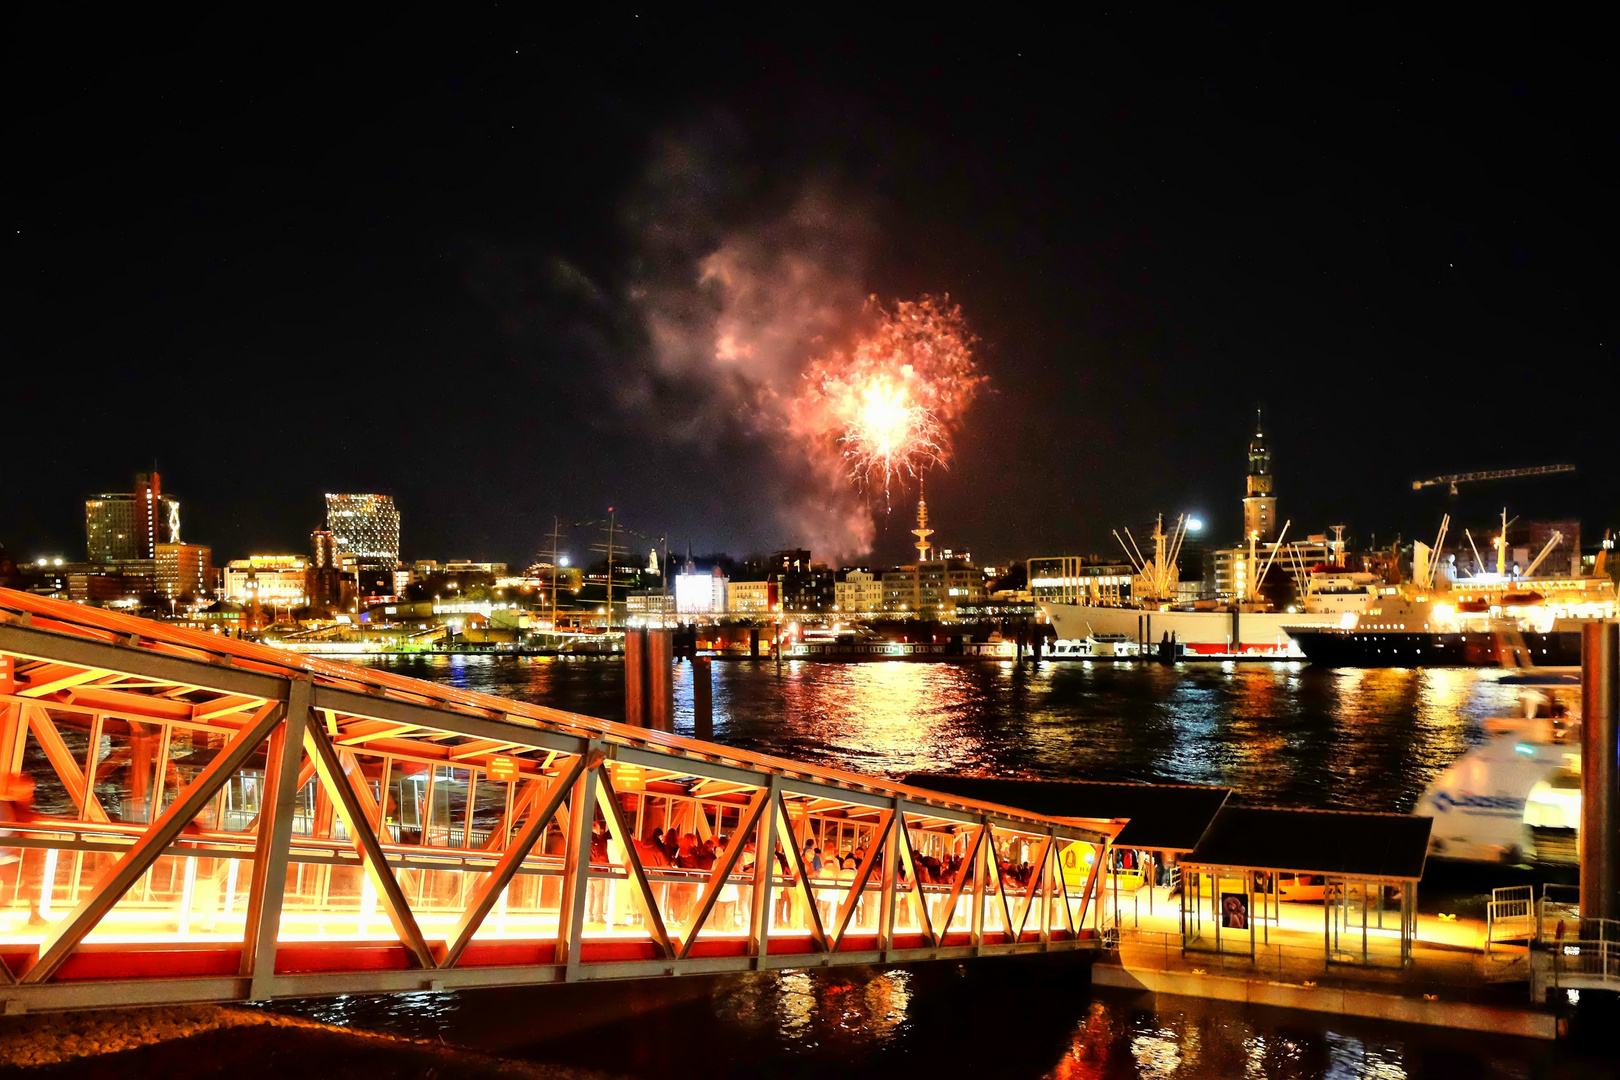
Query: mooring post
635, 676
1600, 799
661, 680
702, 698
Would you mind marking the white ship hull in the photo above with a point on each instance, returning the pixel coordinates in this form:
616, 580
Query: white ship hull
1207, 632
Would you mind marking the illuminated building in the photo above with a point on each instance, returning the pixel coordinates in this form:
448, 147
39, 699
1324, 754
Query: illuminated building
1235, 570
789, 561
365, 528
804, 587
274, 580
365, 531
860, 591
323, 581
932, 589
643, 606
1071, 580
424, 567
116, 581
1259, 503
1239, 570
130, 526
185, 570
750, 597
700, 594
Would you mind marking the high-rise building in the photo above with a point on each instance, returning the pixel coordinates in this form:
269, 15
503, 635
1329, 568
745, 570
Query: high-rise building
109, 528
1260, 502
365, 529
185, 570
131, 526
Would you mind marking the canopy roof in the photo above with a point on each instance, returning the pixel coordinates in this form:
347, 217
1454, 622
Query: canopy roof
1390, 846
1163, 817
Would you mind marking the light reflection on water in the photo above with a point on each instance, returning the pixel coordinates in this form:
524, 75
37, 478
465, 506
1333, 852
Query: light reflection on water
1281, 734
988, 1019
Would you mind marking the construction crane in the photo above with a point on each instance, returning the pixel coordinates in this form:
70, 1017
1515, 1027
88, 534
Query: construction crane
1453, 479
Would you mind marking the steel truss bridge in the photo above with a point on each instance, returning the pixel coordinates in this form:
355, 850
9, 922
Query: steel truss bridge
189, 818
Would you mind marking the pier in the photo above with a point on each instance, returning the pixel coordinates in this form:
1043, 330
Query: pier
197, 818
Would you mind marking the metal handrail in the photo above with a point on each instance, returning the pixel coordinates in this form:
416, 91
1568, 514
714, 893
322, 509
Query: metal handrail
27, 611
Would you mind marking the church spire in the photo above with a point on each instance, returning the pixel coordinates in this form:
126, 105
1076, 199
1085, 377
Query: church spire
1260, 500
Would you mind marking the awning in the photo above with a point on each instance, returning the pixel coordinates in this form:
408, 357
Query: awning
1387, 846
1163, 817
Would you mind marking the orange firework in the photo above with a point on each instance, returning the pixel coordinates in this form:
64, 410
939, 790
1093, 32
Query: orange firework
891, 401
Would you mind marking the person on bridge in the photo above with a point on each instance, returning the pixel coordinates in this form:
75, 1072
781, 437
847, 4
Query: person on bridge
17, 805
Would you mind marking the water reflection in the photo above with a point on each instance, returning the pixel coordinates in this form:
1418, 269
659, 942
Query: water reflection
985, 1019
1286, 734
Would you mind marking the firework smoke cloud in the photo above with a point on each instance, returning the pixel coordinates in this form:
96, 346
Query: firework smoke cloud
763, 328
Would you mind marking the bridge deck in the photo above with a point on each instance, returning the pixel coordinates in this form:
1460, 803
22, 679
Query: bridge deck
190, 817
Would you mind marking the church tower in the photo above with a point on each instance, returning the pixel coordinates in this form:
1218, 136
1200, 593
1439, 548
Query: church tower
1260, 502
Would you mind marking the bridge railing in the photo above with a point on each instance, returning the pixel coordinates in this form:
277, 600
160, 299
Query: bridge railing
187, 817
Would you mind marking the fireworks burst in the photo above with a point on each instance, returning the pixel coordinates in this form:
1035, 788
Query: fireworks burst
891, 401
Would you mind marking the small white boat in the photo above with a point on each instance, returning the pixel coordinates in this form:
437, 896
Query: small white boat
1517, 799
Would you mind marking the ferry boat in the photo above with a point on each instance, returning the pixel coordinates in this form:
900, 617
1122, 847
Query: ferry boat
1516, 799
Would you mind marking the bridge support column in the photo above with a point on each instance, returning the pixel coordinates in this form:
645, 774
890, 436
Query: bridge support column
1600, 771
886, 891
265, 892
571, 902
759, 925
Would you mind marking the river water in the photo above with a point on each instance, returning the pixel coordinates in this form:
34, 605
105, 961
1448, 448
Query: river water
1280, 734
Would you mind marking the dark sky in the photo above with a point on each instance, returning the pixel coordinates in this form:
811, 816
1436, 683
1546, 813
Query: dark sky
300, 254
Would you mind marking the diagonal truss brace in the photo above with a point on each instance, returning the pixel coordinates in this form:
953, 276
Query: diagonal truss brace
62, 760
962, 876
796, 865
1037, 881
724, 868
1001, 879
319, 746
484, 898
880, 836
64, 937
909, 857
607, 800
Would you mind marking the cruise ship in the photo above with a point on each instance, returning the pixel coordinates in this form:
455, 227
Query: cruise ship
1480, 621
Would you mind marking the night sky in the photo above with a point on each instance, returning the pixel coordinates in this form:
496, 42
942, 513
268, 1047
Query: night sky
420, 255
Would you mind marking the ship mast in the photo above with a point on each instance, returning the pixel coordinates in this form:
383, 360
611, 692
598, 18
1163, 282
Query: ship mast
1159, 574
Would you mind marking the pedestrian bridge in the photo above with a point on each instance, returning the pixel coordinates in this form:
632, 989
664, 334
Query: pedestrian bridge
186, 817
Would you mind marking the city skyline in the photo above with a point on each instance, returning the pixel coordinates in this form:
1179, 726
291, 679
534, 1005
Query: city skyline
1375, 245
